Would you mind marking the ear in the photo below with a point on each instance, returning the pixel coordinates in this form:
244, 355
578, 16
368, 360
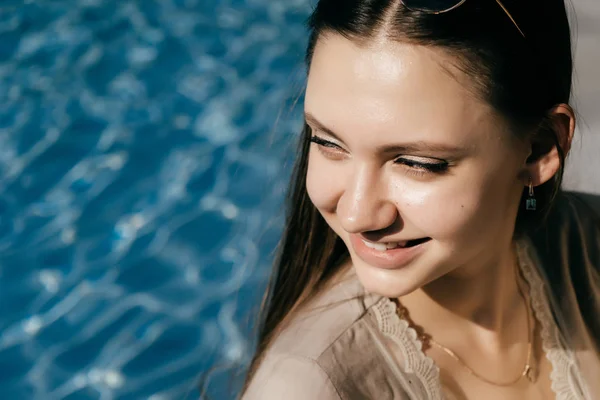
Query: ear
543, 161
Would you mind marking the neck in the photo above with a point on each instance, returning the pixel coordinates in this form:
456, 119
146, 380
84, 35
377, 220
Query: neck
483, 295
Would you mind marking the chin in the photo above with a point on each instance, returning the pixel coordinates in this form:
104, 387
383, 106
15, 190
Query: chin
387, 283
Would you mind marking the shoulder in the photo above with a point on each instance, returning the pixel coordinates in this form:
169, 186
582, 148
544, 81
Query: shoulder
568, 242
290, 377
587, 202
311, 331
579, 204
298, 363
567, 248
574, 221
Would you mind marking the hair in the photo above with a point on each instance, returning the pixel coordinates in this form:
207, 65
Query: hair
521, 78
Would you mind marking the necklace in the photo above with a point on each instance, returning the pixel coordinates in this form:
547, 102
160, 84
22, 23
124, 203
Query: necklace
528, 370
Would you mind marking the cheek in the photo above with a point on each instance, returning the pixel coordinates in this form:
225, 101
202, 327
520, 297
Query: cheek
444, 212
323, 183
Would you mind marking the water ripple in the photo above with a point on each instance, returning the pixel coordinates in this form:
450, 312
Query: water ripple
141, 178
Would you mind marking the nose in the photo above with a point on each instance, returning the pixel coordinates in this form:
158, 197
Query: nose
365, 204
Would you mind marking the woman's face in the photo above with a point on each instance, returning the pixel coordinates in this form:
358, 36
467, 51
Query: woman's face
406, 156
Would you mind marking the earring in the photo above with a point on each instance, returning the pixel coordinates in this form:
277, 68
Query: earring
530, 203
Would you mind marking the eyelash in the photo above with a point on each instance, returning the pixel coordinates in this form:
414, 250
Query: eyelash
414, 167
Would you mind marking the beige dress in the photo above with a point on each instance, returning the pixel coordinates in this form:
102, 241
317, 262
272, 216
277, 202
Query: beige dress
351, 345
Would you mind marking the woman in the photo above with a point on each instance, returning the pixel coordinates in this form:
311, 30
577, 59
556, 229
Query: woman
429, 252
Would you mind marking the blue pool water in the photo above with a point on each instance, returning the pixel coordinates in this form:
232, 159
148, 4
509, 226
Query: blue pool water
144, 152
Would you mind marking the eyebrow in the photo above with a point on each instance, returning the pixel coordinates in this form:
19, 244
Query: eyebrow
418, 146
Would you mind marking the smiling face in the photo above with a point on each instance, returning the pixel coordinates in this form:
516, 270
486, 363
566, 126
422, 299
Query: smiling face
402, 151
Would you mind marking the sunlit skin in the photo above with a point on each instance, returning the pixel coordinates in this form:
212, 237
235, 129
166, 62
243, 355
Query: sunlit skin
380, 115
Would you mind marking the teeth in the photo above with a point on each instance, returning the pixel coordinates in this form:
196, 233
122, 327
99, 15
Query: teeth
384, 246
376, 246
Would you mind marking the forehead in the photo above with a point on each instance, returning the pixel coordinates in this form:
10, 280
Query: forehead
390, 87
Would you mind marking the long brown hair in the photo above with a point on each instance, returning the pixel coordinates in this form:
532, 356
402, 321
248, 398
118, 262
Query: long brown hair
522, 78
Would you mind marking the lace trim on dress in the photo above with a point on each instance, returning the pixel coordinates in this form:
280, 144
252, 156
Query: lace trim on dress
416, 361
566, 381
565, 375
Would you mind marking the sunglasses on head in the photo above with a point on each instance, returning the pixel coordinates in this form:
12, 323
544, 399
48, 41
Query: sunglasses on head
442, 6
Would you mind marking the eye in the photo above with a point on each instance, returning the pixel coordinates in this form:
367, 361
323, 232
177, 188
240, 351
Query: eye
421, 168
324, 143
412, 166
328, 149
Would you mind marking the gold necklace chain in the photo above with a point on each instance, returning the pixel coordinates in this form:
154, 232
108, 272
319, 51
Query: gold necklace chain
528, 370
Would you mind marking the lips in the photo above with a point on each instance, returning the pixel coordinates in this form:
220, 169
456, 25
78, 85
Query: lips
388, 255
393, 245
